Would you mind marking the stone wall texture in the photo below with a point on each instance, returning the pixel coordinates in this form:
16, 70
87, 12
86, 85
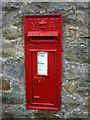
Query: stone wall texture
74, 90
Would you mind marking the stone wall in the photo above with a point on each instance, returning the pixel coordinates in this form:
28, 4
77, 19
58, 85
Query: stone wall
74, 90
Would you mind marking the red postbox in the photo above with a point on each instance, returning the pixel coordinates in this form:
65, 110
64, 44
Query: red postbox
43, 49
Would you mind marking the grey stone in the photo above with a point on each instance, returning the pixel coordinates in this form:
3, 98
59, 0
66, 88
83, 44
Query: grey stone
11, 32
18, 111
74, 77
82, 5
11, 5
14, 69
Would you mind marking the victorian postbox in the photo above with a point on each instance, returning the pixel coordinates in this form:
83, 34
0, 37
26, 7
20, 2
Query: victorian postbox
43, 49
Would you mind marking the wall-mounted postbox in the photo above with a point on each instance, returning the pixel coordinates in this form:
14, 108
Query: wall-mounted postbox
43, 48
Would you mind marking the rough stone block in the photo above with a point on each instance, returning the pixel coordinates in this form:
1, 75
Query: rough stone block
69, 87
5, 85
17, 111
14, 68
72, 34
9, 115
8, 50
11, 32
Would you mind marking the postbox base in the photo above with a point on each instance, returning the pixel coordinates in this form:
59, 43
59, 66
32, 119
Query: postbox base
43, 108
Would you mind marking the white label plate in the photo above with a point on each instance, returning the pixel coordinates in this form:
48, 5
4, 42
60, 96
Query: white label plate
42, 60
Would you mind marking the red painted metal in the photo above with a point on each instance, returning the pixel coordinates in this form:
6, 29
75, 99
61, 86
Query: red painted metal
43, 33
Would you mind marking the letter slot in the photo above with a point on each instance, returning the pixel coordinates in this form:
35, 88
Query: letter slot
42, 37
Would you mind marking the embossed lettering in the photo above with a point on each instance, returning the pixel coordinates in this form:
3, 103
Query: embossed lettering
52, 26
33, 25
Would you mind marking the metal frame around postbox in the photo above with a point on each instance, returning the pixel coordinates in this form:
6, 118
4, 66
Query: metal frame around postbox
58, 52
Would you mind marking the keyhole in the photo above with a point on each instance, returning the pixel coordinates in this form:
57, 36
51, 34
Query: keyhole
37, 81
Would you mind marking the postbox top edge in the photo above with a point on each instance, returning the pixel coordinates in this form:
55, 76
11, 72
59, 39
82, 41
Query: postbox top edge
49, 15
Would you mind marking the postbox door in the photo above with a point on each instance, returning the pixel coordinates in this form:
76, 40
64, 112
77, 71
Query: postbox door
43, 77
